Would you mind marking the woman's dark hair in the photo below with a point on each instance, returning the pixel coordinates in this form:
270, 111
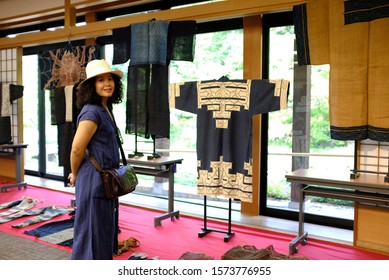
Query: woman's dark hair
86, 93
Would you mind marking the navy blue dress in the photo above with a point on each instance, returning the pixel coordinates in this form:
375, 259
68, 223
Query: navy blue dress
96, 221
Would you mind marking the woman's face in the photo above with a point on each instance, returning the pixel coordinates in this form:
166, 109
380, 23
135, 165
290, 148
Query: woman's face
105, 85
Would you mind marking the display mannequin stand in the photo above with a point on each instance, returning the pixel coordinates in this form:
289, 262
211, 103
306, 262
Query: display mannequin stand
137, 153
205, 230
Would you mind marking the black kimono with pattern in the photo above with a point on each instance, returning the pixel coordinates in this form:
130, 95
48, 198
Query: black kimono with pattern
224, 110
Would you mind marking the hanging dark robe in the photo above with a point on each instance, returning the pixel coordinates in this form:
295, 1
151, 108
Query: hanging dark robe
225, 109
151, 46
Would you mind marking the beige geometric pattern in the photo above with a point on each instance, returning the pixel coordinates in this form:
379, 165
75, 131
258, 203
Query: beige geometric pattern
224, 98
219, 182
174, 91
281, 90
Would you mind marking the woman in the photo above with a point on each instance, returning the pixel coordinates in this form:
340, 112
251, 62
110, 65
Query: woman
96, 221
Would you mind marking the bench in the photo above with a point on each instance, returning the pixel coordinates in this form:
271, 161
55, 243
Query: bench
11, 166
367, 189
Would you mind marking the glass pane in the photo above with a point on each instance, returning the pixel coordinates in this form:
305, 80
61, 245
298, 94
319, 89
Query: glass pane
312, 144
30, 122
52, 153
30, 112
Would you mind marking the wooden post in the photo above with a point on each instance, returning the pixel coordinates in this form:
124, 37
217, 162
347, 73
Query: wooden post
252, 65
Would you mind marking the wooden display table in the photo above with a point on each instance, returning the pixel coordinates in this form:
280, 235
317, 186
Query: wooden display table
163, 167
11, 166
368, 190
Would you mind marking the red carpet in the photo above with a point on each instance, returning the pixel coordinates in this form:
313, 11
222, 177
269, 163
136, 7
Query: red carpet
173, 238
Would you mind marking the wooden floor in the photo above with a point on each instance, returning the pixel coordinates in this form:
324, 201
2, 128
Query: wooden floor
186, 208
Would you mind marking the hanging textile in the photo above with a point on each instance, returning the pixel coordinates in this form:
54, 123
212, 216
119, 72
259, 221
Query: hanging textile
8, 94
359, 61
224, 110
66, 66
121, 38
64, 69
151, 46
64, 114
149, 42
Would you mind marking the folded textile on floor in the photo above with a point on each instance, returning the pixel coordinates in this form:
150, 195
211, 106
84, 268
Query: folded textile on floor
195, 256
141, 256
249, 252
57, 232
25, 204
10, 204
43, 214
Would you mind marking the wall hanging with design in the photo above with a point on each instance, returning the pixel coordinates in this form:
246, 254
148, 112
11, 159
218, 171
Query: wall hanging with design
65, 66
224, 110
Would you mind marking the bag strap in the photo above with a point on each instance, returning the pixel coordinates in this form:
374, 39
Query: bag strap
118, 138
93, 159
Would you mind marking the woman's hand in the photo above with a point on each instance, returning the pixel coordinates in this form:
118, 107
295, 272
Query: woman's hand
72, 180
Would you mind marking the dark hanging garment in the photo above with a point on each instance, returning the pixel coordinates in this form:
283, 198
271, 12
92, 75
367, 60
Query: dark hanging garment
137, 100
16, 92
181, 41
224, 110
148, 102
64, 115
149, 42
8, 93
5, 130
153, 45
57, 105
121, 38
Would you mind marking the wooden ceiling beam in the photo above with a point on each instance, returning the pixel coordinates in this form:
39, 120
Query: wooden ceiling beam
206, 12
57, 13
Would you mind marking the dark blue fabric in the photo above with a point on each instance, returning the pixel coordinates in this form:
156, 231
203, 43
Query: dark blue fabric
301, 31
232, 103
51, 228
364, 11
96, 221
149, 42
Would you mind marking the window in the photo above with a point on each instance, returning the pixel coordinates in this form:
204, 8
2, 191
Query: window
299, 137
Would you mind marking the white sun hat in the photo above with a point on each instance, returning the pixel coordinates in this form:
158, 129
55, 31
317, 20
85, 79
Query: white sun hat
99, 66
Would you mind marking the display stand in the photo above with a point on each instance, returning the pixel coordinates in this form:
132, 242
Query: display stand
367, 189
355, 172
205, 230
12, 153
137, 153
164, 167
